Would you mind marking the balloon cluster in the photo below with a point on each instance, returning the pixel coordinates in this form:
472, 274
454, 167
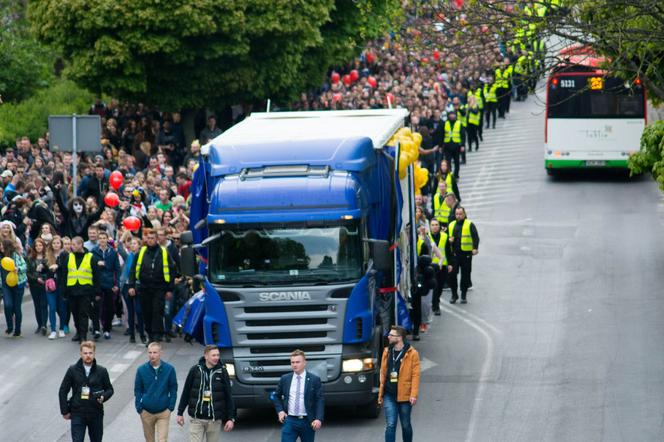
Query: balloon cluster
410, 147
10, 267
112, 199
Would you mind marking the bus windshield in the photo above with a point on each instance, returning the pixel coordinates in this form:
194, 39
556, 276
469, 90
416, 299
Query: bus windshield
594, 96
265, 256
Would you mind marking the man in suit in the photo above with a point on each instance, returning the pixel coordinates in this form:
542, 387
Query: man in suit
299, 401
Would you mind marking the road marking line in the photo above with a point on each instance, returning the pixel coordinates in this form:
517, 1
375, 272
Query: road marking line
426, 364
119, 368
474, 317
132, 354
484, 375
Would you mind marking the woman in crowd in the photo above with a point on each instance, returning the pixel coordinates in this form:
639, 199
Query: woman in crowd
13, 286
37, 275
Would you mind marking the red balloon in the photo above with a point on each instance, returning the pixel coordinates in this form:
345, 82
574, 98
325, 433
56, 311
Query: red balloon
370, 57
335, 77
336, 97
425, 60
346, 79
390, 99
116, 179
111, 199
485, 29
436, 54
131, 223
372, 81
354, 75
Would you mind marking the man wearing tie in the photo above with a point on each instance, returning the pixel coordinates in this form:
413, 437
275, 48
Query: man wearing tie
299, 401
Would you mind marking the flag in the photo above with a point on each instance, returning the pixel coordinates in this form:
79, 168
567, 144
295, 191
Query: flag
199, 207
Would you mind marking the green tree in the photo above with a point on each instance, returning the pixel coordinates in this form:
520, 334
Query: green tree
651, 156
26, 64
190, 54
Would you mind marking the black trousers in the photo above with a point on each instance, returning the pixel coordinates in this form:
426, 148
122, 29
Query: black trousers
80, 307
508, 98
465, 267
416, 311
471, 135
490, 110
501, 94
452, 155
153, 302
441, 280
94, 424
107, 309
479, 129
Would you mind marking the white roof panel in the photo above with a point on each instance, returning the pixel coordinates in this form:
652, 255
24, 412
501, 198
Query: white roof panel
379, 125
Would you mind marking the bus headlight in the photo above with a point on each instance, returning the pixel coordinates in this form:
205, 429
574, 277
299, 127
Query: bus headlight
356, 365
230, 368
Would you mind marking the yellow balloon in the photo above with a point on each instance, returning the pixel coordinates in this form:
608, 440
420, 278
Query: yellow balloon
12, 279
8, 264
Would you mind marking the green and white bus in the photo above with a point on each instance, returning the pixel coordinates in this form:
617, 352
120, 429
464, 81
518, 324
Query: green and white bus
592, 120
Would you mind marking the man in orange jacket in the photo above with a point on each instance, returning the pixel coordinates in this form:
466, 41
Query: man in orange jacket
399, 384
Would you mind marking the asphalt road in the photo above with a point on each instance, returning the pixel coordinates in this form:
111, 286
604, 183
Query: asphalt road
562, 339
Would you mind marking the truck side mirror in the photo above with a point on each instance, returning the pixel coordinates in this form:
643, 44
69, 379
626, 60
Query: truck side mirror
187, 261
186, 238
381, 255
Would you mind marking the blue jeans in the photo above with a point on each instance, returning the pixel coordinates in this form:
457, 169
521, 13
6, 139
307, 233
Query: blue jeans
294, 428
13, 297
55, 305
94, 425
134, 313
397, 411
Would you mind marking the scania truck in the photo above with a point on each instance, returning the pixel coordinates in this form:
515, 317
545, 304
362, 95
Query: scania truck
309, 246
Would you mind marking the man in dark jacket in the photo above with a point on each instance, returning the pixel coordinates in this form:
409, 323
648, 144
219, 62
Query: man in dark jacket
155, 391
79, 280
152, 278
299, 402
90, 387
109, 273
207, 395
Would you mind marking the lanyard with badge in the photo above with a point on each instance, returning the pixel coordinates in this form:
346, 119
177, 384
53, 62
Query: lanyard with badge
207, 394
394, 374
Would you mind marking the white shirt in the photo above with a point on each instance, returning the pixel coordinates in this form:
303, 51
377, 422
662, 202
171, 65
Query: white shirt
87, 369
292, 398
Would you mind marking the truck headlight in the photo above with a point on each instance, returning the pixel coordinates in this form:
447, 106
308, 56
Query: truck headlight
356, 365
230, 368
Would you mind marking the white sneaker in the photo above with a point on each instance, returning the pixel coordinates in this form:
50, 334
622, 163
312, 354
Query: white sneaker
53, 335
116, 322
61, 334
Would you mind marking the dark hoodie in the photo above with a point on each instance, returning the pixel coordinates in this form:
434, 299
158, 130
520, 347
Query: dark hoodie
201, 378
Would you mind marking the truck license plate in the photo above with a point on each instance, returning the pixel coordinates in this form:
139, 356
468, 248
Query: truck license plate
595, 163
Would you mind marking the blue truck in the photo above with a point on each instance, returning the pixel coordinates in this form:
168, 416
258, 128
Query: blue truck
309, 246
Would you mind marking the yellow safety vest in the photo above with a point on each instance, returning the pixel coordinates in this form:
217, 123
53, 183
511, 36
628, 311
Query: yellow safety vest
419, 246
164, 261
474, 117
464, 118
500, 79
441, 211
507, 75
452, 134
81, 275
441, 246
490, 93
480, 100
466, 237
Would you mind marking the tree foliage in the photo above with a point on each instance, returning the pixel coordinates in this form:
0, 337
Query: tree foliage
651, 156
30, 116
187, 54
26, 64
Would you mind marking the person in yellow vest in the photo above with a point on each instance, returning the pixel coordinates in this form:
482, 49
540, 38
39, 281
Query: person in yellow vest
445, 174
491, 102
151, 279
420, 301
479, 96
521, 73
465, 243
80, 283
443, 263
508, 72
501, 88
474, 116
452, 139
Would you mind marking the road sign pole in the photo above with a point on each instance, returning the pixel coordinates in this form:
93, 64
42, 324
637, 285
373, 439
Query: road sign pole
74, 155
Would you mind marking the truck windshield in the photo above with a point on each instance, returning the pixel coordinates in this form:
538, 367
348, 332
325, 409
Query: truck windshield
287, 256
